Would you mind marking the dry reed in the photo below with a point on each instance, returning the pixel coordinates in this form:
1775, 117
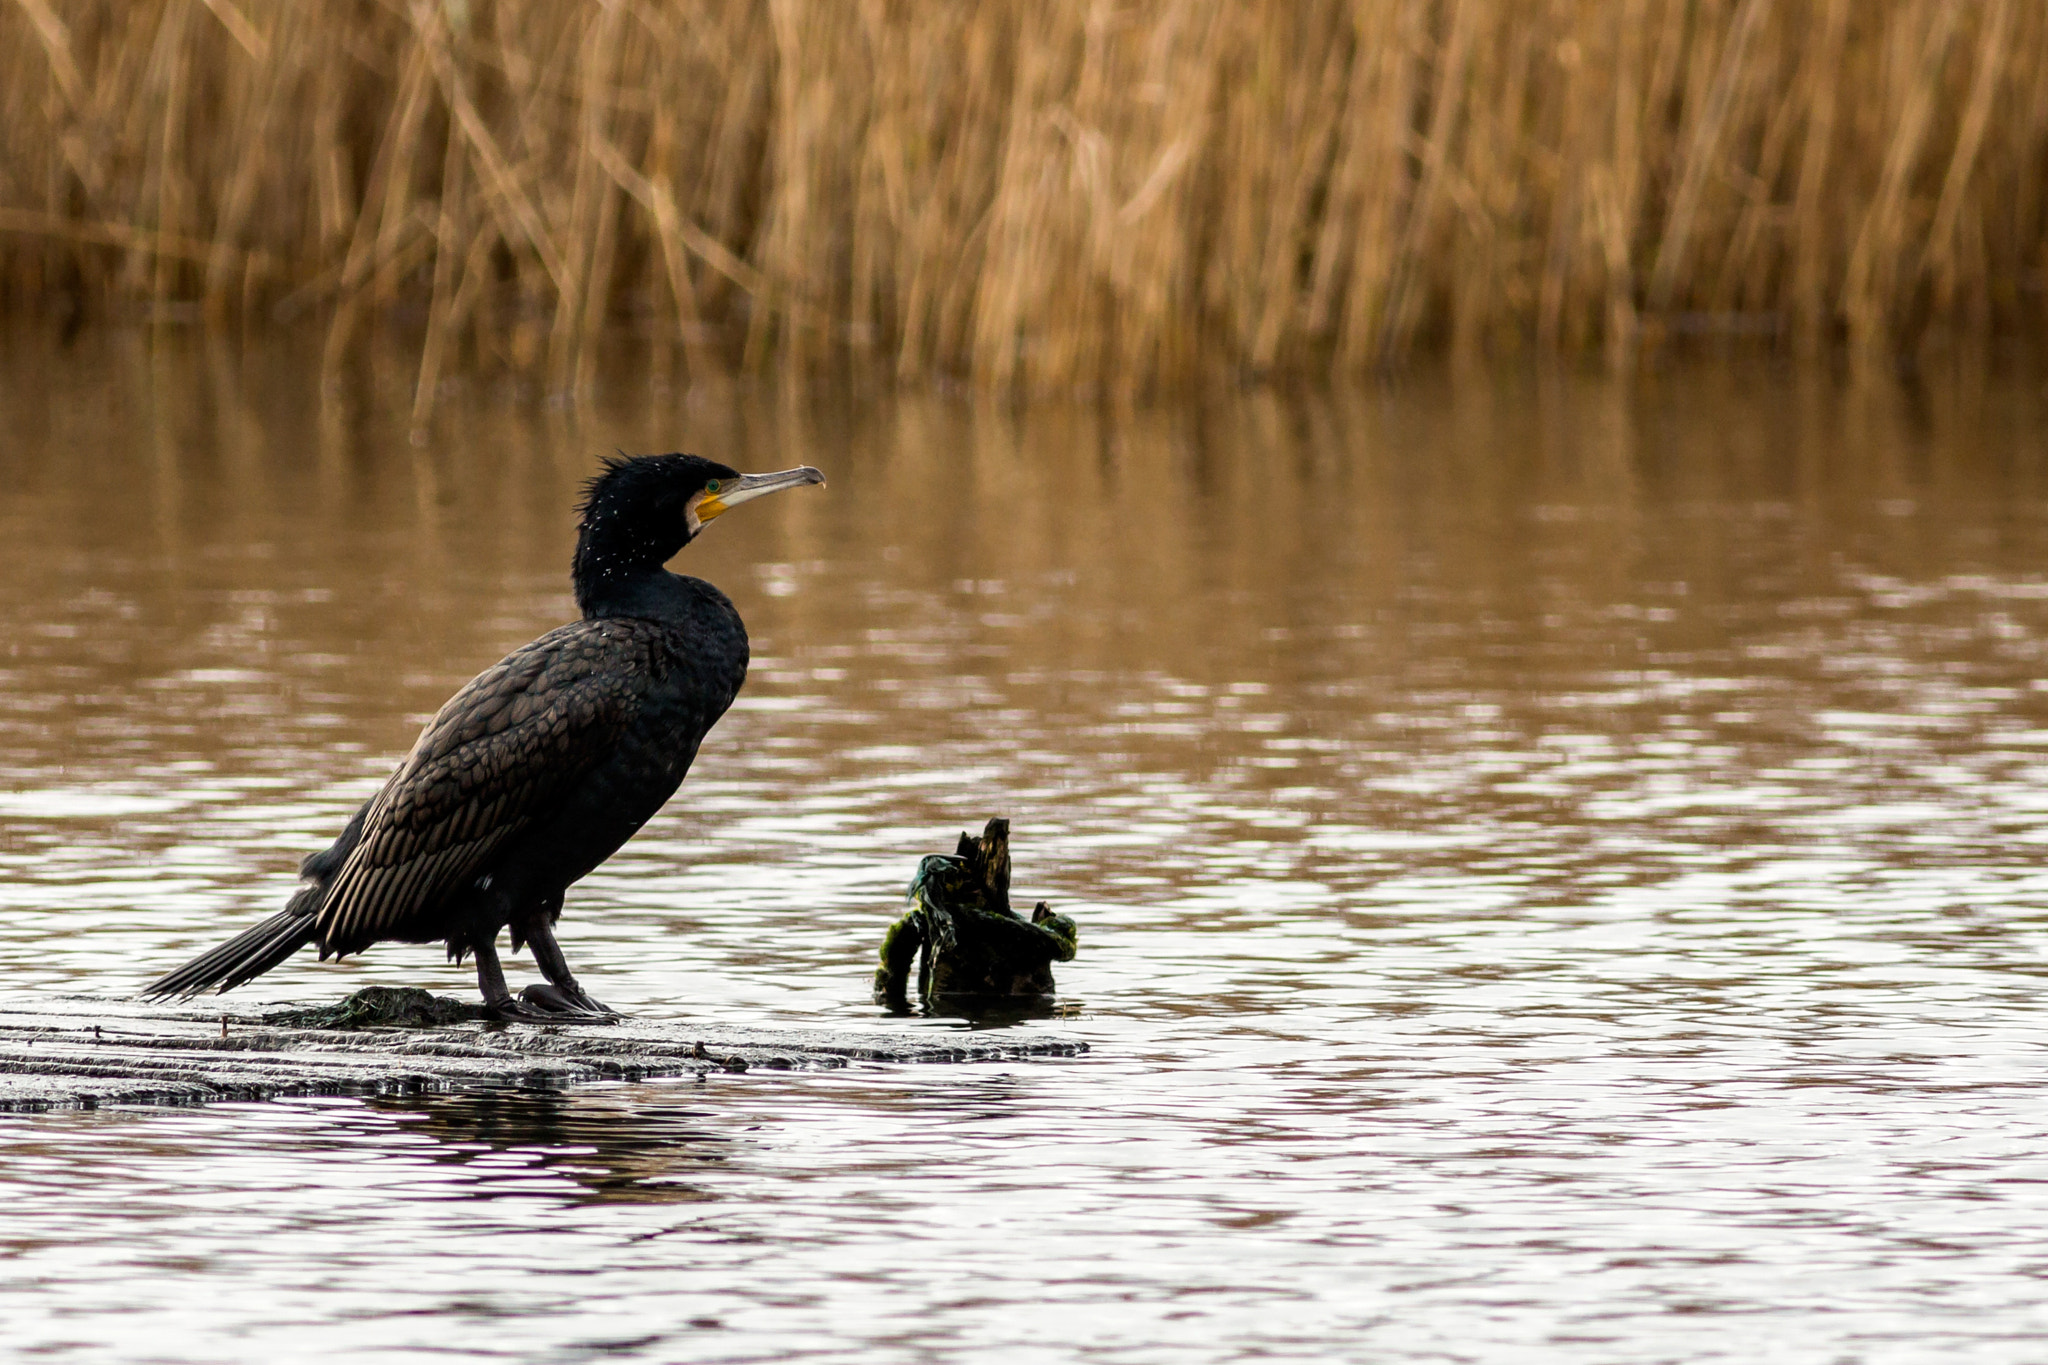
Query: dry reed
1041, 196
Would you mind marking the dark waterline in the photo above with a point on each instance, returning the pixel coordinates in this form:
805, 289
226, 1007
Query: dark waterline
1558, 865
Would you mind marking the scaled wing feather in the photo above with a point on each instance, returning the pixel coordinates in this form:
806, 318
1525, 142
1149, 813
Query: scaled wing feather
503, 751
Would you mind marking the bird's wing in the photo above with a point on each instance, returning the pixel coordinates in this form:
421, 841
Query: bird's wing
505, 749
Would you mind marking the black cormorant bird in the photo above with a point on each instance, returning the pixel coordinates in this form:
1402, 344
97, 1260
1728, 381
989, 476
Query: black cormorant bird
538, 769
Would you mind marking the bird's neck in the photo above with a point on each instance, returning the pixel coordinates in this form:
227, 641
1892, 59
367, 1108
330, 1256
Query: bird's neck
618, 565
647, 591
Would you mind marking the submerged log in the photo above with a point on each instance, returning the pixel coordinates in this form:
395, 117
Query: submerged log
79, 1052
976, 951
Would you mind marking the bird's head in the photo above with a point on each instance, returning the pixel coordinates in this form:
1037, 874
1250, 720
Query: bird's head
641, 509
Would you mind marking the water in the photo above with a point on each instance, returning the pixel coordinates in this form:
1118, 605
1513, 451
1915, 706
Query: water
1559, 867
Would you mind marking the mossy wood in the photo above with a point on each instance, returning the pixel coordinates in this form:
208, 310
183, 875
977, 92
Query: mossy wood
970, 944
80, 1052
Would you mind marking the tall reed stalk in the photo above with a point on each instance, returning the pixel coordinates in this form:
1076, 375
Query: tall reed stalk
1038, 195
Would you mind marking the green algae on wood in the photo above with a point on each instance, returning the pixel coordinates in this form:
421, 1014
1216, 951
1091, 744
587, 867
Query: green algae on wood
974, 948
383, 1007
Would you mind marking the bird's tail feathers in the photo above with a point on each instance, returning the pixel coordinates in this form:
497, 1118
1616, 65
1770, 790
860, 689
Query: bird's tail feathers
248, 954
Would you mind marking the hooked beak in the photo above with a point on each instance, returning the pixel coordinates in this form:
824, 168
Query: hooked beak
747, 487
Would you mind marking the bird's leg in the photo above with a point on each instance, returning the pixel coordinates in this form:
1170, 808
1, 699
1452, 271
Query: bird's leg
535, 1004
490, 978
562, 992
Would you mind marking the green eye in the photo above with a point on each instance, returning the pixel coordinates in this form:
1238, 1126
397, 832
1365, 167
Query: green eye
711, 486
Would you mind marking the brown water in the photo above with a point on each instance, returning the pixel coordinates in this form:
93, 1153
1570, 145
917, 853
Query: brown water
1559, 865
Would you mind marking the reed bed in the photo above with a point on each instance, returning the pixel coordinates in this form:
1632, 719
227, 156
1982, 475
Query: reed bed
1039, 196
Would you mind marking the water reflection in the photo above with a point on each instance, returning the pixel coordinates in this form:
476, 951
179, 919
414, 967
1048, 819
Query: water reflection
1558, 866
620, 1145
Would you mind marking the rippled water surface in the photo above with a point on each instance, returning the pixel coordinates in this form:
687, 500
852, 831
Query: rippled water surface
1559, 865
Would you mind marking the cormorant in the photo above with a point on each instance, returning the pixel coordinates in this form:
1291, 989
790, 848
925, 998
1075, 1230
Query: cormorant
542, 765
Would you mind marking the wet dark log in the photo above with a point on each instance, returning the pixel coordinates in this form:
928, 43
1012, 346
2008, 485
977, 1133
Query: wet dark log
974, 951
77, 1052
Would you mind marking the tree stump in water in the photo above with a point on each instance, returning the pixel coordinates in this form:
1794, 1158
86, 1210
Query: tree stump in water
975, 948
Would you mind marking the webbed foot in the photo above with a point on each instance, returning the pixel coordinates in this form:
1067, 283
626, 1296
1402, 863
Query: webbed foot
568, 1003
545, 1004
